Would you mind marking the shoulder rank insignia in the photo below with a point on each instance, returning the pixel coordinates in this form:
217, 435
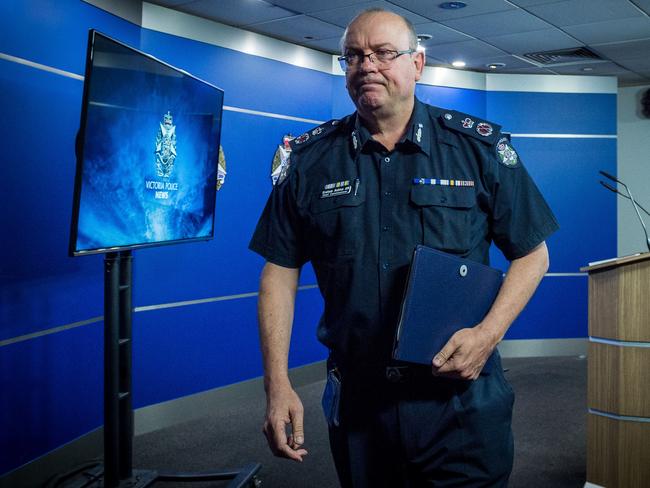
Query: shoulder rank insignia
506, 153
315, 134
471, 126
484, 129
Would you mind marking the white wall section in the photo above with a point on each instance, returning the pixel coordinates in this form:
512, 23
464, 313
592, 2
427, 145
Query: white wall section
633, 168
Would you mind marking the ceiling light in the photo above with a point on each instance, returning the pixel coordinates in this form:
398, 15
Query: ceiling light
496, 65
458, 64
452, 5
587, 68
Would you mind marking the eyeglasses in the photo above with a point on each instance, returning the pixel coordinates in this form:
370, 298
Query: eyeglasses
381, 58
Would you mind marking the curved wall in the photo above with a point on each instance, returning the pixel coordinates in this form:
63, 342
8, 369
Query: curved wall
195, 319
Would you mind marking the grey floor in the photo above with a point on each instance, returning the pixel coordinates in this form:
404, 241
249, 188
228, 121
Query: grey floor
549, 426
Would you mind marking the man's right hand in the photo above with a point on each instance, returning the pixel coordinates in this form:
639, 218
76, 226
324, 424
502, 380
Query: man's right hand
284, 408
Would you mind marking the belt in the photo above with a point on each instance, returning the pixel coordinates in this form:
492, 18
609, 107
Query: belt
402, 374
390, 374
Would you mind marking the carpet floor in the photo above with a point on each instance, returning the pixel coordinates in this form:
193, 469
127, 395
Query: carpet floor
549, 426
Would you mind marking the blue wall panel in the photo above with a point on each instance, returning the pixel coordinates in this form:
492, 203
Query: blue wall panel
553, 113
463, 100
185, 350
40, 287
55, 33
52, 391
558, 310
193, 348
341, 103
566, 171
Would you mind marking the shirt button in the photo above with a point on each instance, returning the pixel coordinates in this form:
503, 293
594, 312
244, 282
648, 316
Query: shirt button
387, 160
385, 228
384, 266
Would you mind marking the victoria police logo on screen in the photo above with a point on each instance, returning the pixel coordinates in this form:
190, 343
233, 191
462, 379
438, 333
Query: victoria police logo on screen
165, 151
166, 146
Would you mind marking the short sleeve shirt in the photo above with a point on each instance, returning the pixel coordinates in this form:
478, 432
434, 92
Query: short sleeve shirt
357, 211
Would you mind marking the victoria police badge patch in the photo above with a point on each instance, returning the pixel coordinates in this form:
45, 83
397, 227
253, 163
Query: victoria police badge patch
221, 169
281, 159
507, 154
284, 171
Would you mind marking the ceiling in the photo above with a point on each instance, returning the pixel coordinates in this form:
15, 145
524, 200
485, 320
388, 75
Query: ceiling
482, 33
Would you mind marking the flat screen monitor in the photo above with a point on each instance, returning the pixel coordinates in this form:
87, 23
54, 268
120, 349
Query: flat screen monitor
147, 152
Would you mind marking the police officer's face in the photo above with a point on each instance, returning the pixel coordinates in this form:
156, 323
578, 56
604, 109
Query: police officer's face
381, 90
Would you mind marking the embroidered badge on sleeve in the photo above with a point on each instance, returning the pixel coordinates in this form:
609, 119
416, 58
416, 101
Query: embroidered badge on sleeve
281, 160
221, 169
506, 153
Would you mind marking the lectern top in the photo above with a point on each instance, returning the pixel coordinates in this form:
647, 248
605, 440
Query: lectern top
613, 262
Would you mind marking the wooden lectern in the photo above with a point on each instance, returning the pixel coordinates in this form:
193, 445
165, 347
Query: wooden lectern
618, 420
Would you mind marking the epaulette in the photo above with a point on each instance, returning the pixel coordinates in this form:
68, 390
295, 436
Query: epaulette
316, 133
482, 130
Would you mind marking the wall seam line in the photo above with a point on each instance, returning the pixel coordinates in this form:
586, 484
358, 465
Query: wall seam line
185, 303
146, 308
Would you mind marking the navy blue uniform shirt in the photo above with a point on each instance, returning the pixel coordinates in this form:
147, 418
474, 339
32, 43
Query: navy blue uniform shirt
357, 211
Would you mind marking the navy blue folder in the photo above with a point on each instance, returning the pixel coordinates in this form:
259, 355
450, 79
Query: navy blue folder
444, 293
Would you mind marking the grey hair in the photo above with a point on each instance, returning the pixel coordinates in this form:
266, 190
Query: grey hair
413, 37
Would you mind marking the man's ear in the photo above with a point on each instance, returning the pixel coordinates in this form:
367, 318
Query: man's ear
419, 60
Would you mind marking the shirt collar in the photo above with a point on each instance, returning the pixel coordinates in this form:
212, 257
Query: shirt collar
360, 136
418, 131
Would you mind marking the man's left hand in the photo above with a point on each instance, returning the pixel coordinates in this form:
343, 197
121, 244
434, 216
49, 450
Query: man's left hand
464, 355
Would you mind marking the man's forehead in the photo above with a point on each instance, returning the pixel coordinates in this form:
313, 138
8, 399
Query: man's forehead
377, 30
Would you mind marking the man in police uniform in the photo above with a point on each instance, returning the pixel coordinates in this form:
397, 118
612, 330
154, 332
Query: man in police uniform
359, 194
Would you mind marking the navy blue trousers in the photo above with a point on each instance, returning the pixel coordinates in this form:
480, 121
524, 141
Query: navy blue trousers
424, 431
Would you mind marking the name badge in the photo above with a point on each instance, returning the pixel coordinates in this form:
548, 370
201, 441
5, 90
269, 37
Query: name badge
336, 189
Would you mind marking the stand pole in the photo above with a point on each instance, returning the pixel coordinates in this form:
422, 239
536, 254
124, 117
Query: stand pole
111, 369
125, 411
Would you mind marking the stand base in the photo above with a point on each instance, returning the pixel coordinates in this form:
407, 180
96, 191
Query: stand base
94, 478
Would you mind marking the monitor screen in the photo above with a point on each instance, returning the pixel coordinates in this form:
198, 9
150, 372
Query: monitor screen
147, 152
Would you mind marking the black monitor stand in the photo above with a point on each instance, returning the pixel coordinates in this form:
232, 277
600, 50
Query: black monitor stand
117, 470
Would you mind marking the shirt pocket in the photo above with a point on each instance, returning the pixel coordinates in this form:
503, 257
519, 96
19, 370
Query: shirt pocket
336, 225
446, 216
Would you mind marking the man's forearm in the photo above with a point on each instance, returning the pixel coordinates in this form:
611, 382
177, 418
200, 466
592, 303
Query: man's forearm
520, 283
283, 406
275, 313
